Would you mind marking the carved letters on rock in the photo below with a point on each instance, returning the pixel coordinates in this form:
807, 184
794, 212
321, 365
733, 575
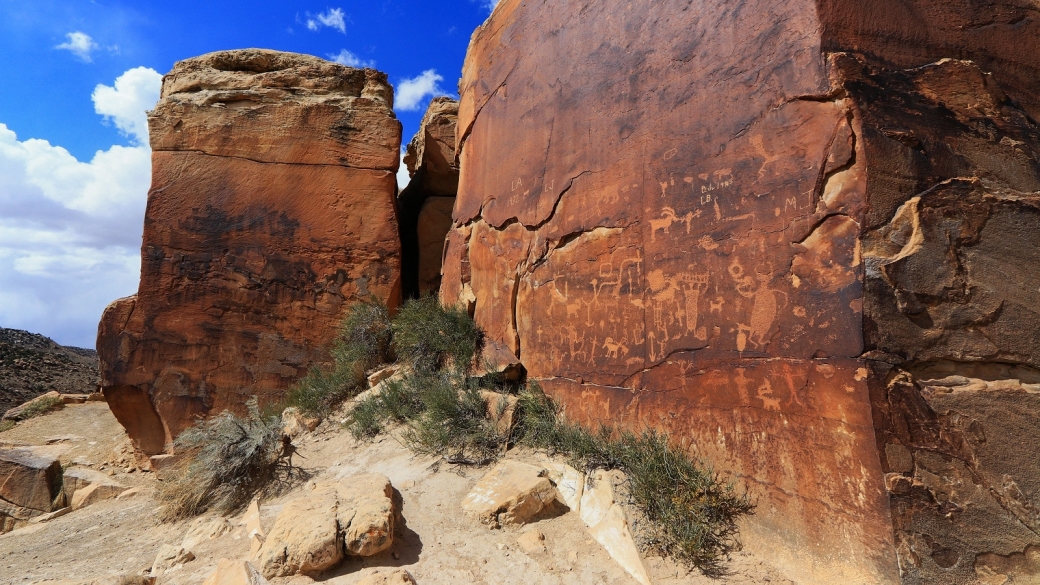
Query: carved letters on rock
721, 222
271, 210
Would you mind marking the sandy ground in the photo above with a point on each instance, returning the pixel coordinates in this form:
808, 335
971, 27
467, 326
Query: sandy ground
435, 541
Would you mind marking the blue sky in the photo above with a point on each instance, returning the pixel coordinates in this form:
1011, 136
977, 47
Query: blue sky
76, 79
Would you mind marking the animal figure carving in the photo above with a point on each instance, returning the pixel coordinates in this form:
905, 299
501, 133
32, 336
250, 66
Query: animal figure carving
614, 347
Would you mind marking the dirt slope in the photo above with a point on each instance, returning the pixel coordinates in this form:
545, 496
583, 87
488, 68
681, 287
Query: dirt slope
436, 542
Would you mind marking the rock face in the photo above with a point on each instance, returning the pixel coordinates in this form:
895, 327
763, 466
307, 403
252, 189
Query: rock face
798, 235
271, 211
426, 203
30, 485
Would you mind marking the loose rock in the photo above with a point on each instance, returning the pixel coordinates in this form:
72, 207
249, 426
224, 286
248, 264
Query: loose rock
510, 493
333, 519
388, 577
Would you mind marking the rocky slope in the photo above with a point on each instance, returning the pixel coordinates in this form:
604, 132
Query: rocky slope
434, 540
31, 365
271, 212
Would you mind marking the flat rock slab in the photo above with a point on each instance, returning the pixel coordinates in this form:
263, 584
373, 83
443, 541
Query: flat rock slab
77, 478
29, 478
511, 493
353, 516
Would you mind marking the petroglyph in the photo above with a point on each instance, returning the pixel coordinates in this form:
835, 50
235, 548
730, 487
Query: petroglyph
664, 223
614, 347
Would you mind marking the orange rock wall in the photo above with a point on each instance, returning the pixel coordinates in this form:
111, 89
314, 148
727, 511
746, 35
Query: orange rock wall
662, 210
271, 211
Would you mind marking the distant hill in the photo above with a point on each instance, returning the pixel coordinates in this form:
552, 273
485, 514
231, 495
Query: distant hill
32, 364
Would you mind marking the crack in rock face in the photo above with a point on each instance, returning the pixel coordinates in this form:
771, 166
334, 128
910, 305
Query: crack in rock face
725, 242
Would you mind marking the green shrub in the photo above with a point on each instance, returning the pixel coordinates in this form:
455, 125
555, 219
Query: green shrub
41, 406
453, 423
224, 462
398, 402
692, 512
431, 337
6, 425
363, 343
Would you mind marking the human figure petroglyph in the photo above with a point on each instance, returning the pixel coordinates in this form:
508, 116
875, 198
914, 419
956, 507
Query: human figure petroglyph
764, 311
693, 286
577, 343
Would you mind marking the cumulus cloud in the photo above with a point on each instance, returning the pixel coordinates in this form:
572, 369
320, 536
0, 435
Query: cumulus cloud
79, 44
332, 18
125, 103
411, 92
70, 231
345, 57
402, 172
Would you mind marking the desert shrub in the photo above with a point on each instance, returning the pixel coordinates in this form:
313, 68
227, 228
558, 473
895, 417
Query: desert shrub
454, 422
41, 406
6, 425
364, 341
225, 461
398, 402
430, 336
692, 512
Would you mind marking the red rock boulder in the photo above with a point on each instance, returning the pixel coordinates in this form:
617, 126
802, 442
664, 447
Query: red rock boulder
795, 234
271, 211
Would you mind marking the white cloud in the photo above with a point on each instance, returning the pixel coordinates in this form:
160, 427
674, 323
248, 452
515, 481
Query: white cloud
70, 231
332, 18
79, 44
490, 4
345, 57
402, 173
411, 92
126, 103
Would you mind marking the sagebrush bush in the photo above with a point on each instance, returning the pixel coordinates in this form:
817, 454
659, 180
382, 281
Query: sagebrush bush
224, 461
398, 402
6, 425
692, 512
453, 422
432, 337
364, 342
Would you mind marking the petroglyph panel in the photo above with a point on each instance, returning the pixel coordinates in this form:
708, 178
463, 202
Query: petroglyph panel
767, 418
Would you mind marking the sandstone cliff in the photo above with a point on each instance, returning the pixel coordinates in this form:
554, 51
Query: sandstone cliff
425, 204
271, 211
801, 235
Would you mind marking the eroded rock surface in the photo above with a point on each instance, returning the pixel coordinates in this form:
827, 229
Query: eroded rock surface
30, 485
271, 211
720, 222
353, 516
426, 203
